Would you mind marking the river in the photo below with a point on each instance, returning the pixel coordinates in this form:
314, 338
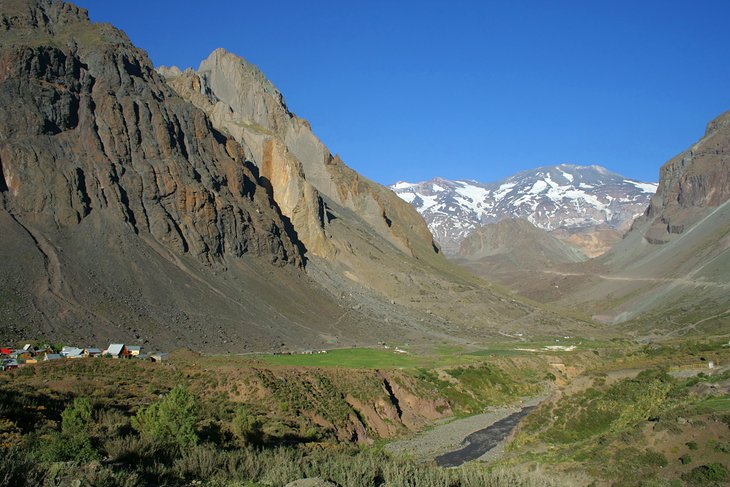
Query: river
480, 442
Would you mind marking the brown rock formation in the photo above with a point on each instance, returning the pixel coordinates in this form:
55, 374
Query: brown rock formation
694, 180
91, 127
241, 101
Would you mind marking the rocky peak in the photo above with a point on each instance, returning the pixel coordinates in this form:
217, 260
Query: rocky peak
244, 103
244, 87
691, 183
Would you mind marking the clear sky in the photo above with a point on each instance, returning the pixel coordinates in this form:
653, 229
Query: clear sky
467, 90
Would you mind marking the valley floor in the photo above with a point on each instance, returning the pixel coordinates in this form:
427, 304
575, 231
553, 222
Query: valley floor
618, 413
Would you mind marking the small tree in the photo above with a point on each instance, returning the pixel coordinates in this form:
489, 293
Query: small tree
73, 442
171, 420
245, 426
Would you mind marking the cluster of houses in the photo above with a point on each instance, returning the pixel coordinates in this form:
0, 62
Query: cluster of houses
12, 358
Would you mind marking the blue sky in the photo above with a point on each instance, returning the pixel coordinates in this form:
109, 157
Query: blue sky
467, 90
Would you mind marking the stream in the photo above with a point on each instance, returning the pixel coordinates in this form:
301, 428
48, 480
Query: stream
480, 442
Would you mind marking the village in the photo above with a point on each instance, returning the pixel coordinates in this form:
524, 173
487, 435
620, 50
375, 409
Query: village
13, 358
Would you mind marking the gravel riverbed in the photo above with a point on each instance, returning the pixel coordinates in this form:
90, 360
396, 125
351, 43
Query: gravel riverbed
449, 436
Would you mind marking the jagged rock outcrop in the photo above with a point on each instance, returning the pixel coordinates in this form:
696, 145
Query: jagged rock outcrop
296, 197
241, 101
694, 180
125, 215
91, 127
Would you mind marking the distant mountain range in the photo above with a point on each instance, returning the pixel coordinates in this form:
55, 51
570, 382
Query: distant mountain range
551, 197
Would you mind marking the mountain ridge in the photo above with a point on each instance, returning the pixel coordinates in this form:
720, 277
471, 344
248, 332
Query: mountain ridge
551, 197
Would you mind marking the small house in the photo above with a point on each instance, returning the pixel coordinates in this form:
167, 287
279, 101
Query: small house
134, 350
6, 351
72, 352
159, 356
21, 355
28, 348
8, 364
117, 350
92, 352
44, 350
52, 356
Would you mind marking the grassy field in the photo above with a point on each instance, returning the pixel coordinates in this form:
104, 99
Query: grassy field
367, 358
446, 356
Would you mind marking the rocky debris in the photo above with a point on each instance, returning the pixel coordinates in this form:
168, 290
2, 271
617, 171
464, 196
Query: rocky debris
581, 199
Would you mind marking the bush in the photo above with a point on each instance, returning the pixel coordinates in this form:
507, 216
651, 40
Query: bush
692, 445
73, 442
171, 420
685, 459
245, 426
713, 474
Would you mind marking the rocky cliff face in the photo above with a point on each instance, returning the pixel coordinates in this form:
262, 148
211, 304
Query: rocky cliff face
90, 127
694, 180
242, 102
669, 274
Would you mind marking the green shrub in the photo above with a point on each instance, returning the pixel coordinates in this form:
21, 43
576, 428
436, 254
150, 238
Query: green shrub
722, 446
245, 426
692, 445
714, 474
685, 459
171, 420
73, 442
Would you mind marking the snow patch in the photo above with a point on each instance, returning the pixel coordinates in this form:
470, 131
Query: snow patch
403, 185
538, 187
645, 187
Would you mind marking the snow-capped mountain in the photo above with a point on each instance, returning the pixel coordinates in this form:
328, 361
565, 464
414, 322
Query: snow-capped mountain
550, 197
